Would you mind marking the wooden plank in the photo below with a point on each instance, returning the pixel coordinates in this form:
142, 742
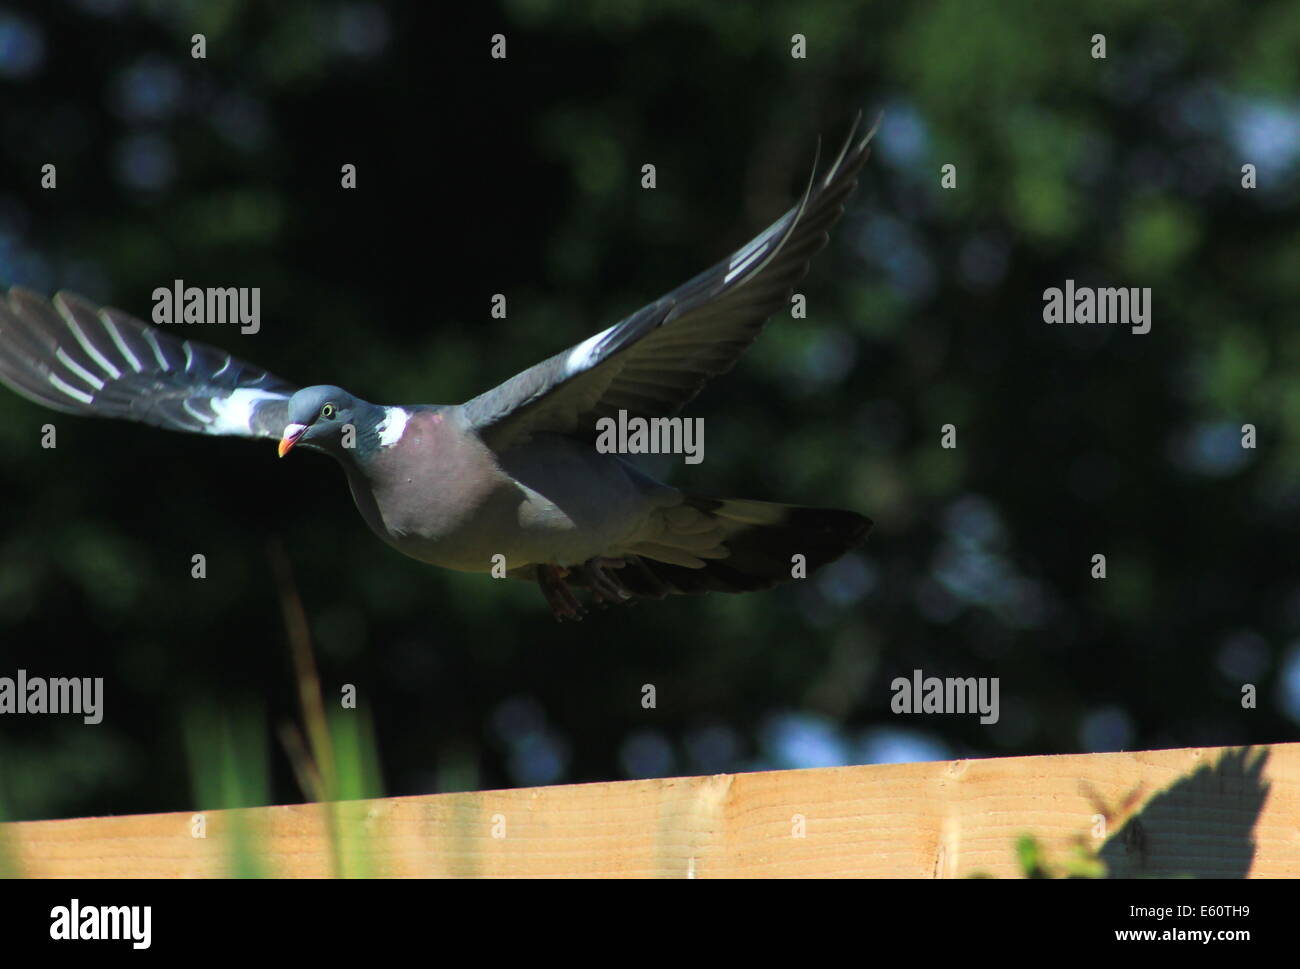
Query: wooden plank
1208, 812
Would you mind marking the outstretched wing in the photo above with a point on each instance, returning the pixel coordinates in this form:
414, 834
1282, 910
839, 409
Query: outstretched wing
73, 356
655, 361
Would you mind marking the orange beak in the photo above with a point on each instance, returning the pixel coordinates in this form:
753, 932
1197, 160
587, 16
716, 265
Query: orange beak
290, 437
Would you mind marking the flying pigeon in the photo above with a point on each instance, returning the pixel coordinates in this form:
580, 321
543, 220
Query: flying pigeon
512, 479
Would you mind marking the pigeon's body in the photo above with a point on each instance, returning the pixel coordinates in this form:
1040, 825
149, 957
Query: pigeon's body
512, 479
550, 500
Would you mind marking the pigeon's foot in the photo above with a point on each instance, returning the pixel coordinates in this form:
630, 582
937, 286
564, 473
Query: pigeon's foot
564, 604
605, 586
595, 574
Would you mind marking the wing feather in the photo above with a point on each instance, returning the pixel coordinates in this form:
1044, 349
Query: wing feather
655, 361
73, 356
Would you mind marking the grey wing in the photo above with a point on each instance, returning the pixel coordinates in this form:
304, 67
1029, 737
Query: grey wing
655, 361
72, 356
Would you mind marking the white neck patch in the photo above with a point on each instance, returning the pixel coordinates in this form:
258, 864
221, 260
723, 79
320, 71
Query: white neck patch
392, 426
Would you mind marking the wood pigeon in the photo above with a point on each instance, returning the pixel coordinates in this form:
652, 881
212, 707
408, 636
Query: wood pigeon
512, 479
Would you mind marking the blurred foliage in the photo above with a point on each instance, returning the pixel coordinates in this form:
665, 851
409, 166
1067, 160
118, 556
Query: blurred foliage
480, 176
229, 767
1034, 863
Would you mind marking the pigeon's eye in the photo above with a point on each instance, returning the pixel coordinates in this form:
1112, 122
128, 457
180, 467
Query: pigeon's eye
327, 411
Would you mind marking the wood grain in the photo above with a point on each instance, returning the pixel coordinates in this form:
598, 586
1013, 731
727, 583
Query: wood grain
1220, 812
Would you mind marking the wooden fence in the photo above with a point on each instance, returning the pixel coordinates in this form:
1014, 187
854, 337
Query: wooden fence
1225, 812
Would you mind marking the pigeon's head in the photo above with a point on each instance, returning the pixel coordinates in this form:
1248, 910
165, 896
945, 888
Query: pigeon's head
320, 416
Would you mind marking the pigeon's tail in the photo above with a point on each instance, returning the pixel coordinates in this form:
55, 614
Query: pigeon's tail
762, 544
